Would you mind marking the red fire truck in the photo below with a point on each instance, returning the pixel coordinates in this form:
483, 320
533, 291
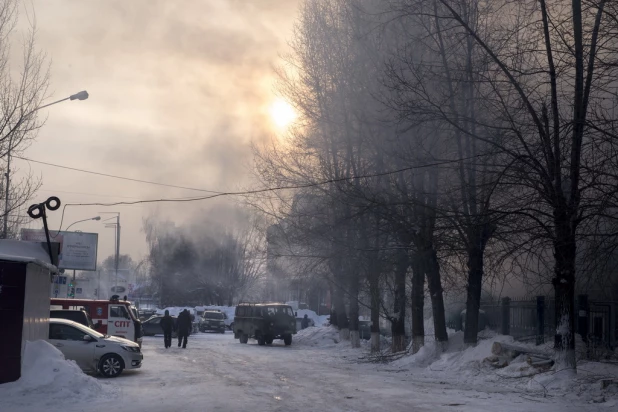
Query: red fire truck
114, 317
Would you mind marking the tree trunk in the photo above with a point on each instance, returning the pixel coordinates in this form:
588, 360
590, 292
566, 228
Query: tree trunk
432, 270
342, 317
564, 289
374, 290
354, 311
417, 302
399, 325
473, 304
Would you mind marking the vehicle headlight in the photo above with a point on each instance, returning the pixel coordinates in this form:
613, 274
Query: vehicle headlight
131, 348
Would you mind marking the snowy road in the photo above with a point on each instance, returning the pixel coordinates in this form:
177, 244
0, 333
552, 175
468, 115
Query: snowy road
216, 373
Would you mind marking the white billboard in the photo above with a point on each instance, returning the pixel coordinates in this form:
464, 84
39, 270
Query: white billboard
78, 250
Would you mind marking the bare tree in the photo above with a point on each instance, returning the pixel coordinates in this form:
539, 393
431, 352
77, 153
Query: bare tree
546, 77
21, 93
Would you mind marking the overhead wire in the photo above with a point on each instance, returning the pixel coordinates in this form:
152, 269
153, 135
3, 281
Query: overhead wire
267, 189
75, 169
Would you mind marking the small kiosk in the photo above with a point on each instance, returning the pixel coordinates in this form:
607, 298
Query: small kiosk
26, 271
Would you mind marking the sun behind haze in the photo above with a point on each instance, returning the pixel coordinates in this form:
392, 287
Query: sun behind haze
178, 91
282, 113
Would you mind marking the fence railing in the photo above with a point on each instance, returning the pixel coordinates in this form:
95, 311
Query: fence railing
534, 320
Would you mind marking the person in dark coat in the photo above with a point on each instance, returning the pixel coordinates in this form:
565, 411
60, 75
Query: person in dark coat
184, 327
167, 324
304, 324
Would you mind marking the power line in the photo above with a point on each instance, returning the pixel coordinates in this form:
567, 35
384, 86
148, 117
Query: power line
268, 189
87, 194
113, 176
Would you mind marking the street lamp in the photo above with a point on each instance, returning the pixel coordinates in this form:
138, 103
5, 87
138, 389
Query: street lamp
79, 221
66, 230
83, 95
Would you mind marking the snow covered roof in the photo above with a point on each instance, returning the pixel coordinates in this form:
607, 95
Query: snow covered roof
29, 252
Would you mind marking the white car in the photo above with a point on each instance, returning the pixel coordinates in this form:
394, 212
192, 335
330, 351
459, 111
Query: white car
92, 351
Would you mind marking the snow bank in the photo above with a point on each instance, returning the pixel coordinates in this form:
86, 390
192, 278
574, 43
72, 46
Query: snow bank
456, 357
317, 320
49, 377
322, 337
459, 362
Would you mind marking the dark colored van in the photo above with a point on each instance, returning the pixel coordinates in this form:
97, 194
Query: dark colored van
264, 322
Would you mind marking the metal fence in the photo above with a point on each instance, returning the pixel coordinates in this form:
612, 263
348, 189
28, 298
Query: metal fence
534, 320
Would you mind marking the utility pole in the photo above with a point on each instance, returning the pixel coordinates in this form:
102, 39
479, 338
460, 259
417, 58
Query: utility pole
116, 226
117, 245
6, 192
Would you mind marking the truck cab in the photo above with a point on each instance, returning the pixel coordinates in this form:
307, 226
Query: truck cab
112, 317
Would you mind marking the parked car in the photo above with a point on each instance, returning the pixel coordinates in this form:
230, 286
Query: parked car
93, 351
152, 326
80, 316
195, 323
145, 314
115, 317
213, 320
229, 322
264, 322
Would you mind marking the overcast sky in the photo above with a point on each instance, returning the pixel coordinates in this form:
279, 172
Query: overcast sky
178, 90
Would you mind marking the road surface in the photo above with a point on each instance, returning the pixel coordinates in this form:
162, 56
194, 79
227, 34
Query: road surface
217, 373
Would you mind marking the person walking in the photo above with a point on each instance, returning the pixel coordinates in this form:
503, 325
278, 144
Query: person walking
304, 324
167, 324
184, 327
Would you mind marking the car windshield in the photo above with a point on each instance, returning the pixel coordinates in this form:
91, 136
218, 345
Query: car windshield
87, 331
213, 315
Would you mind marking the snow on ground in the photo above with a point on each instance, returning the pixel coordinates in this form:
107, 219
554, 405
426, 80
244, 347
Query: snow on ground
48, 378
316, 373
317, 320
324, 337
458, 362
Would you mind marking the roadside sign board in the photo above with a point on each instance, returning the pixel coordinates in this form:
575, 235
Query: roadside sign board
78, 250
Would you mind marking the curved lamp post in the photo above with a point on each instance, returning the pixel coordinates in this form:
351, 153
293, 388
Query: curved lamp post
83, 95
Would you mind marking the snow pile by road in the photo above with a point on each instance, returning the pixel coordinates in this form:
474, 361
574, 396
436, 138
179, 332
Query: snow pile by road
322, 337
456, 357
317, 320
460, 362
47, 377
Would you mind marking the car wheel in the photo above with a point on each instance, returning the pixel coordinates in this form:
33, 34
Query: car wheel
269, 340
244, 338
287, 339
111, 365
232, 326
261, 340
222, 331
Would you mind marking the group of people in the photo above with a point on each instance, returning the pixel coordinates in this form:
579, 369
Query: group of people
182, 326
